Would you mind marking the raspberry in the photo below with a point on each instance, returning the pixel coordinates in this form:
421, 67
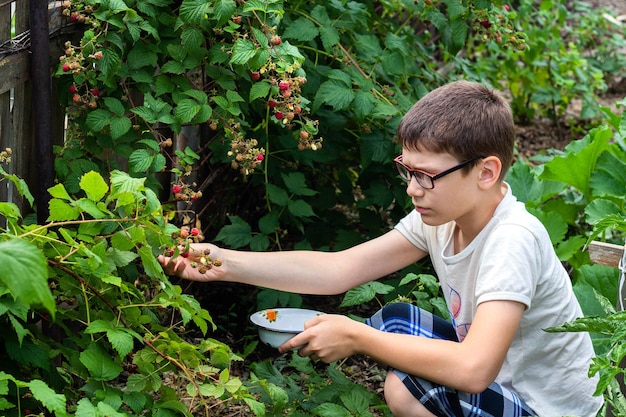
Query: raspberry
279, 115
66, 67
195, 231
271, 104
176, 189
486, 24
185, 254
76, 99
95, 92
73, 89
275, 40
255, 76
283, 85
260, 157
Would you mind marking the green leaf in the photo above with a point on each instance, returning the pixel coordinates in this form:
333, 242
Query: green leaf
301, 29
194, 11
59, 191
296, 183
235, 235
223, 10
24, 273
336, 94
243, 51
99, 363
61, 211
599, 209
150, 264
300, 208
575, 167
93, 185
98, 119
51, 400
186, 110
119, 126
259, 90
364, 293
192, 37
140, 160
331, 410
277, 195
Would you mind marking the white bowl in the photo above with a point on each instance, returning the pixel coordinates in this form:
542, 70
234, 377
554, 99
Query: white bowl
277, 325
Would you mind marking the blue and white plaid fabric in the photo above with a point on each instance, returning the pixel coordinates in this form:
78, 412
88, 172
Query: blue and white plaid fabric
442, 401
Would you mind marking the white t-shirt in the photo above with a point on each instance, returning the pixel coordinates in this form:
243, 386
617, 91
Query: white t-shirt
512, 258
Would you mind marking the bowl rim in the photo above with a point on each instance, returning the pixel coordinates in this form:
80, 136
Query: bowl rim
278, 310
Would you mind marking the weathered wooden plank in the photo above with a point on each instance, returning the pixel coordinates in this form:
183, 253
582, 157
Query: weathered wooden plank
605, 253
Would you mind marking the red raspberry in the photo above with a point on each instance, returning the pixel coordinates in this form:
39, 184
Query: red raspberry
95, 92
507, 7
283, 85
275, 40
176, 189
279, 115
66, 67
195, 231
486, 24
271, 104
260, 157
185, 254
255, 76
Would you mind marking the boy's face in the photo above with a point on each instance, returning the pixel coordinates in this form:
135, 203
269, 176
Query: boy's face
455, 196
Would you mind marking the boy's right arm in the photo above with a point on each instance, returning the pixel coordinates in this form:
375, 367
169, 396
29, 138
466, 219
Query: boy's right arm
305, 272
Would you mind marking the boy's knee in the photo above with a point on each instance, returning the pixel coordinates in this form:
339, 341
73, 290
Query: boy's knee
400, 401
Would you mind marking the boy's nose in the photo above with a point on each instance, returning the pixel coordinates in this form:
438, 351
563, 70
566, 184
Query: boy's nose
413, 188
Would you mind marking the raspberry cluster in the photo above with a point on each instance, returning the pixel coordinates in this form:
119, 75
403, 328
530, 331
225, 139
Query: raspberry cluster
246, 156
5, 156
185, 192
201, 260
286, 103
499, 28
79, 60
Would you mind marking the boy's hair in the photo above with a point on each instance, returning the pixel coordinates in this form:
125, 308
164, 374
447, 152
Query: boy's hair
465, 119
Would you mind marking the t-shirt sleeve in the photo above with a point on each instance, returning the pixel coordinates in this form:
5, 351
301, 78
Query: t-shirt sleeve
412, 228
511, 266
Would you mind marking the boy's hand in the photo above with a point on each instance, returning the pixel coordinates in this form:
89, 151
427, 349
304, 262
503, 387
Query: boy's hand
328, 337
200, 263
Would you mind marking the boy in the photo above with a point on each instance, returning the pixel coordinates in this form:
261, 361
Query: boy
499, 274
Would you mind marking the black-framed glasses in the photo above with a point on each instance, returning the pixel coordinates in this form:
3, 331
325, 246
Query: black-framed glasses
423, 178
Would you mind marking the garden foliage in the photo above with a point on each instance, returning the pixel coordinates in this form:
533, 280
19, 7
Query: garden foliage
270, 125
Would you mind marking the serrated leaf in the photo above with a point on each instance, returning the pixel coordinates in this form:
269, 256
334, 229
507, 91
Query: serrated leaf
186, 110
93, 185
277, 195
140, 160
331, 410
192, 37
99, 363
223, 10
235, 235
336, 94
61, 211
364, 293
43, 393
119, 126
98, 119
25, 273
243, 51
300, 208
194, 11
259, 90
59, 191
296, 183
301, 29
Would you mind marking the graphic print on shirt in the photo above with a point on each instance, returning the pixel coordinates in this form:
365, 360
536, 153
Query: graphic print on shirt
454, 304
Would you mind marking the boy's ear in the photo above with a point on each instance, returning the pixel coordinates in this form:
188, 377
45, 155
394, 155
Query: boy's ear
491, 167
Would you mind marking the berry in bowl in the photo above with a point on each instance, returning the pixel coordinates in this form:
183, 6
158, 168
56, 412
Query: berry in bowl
277, 325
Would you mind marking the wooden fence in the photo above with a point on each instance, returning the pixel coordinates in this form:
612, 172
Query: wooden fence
31, 115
